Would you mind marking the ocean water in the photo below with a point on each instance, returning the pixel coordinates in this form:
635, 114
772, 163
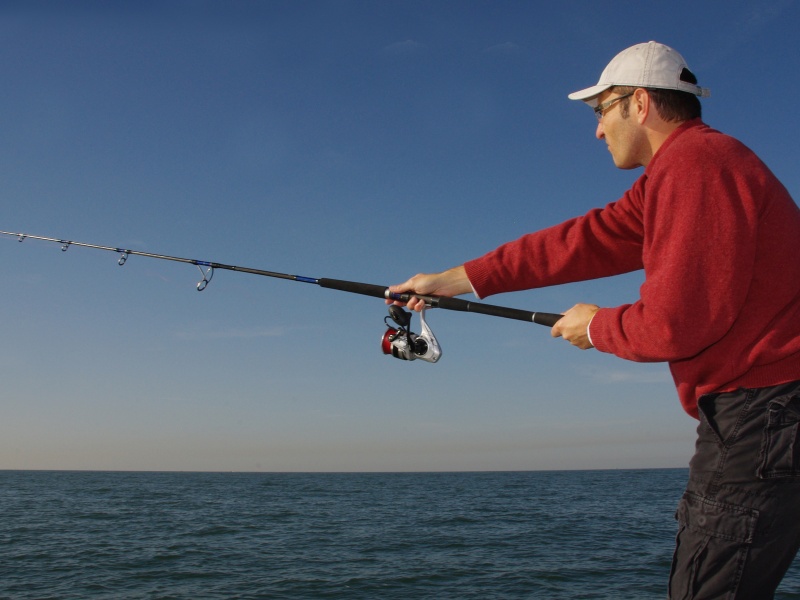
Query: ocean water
567, 534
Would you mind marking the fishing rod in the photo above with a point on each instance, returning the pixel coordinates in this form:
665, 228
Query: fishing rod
401, 342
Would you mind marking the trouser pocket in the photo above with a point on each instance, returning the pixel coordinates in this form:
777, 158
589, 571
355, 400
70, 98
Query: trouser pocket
711, 548
780, 446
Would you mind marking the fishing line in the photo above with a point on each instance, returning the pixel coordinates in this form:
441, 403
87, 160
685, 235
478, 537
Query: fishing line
413, 343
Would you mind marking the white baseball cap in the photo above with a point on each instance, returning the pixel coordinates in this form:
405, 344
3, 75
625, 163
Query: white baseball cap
650, 65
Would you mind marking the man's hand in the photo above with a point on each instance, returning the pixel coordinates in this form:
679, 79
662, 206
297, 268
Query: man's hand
574, 325
447, 283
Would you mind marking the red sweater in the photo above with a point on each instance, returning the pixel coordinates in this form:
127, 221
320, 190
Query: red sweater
718, 237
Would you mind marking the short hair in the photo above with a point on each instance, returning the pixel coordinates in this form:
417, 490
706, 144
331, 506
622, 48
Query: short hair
671, 105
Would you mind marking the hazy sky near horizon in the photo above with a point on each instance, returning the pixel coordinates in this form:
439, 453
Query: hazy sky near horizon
359, 140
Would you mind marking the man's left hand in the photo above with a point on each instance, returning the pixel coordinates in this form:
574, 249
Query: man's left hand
574, 325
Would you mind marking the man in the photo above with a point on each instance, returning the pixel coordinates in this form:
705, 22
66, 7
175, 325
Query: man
718, 237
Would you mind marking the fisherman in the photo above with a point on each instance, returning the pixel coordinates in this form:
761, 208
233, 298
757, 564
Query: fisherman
717, 236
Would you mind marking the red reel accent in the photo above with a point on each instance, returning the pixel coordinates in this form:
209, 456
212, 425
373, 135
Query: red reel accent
386, 344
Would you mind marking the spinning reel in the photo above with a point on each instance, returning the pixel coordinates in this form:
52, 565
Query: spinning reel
402, 343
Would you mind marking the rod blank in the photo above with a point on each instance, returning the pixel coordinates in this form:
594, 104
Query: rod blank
353, 287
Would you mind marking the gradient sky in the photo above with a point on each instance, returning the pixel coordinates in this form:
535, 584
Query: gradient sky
361, 140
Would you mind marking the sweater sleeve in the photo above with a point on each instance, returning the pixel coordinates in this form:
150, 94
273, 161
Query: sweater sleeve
700, 222
601, 243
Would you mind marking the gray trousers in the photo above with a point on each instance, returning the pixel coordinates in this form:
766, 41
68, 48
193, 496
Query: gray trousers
739, 519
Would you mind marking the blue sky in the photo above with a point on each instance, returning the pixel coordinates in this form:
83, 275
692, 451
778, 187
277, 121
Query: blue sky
359, 140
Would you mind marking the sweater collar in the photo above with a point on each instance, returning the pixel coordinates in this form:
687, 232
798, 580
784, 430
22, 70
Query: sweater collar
685, 126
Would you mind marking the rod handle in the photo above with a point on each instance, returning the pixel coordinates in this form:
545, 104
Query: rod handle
548, 319
459, 304
366, 289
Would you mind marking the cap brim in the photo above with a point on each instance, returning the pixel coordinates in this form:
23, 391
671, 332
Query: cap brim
590, 92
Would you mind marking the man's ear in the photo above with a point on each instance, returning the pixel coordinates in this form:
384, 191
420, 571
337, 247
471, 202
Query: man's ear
641, 104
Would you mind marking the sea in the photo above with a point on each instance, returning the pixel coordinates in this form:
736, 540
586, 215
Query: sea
485, 535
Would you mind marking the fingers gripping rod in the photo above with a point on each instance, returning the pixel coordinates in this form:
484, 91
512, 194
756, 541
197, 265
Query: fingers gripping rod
366, 289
